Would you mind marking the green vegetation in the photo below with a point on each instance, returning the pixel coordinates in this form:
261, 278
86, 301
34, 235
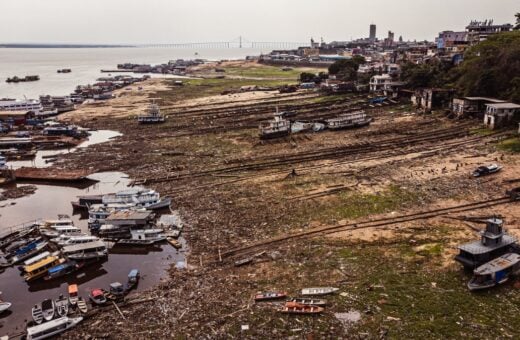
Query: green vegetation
481, 131
346, 69
265, 71
434, 74
510, 144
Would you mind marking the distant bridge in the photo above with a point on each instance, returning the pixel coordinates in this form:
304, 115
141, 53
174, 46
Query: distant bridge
236, 43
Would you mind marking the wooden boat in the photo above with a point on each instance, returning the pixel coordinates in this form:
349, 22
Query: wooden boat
143, 237
133, 280
41, 268
52, 328
270, 296
48, 309
278, 127
176, 244
62, 305
82, 305
296, 308
63, 269
73, 294
319, 291
37, 314
309, 301
495, 272
348, 120
117, 290
97, 296
86, 251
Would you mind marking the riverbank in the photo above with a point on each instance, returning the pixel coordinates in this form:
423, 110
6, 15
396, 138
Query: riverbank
237, 193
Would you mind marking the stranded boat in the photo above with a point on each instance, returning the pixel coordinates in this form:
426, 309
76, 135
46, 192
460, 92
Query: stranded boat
141, 198
495, 272
486, 170
52, 328
319, 291
270, 296
278, 127
86, 251
348, 120
143, 237
97, 296
48, 309
309, 302
37, 314
133, 280
295, 308
62, 305
82, 305
152, 115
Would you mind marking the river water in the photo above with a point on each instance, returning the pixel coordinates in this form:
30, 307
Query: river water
47, 202
86, 64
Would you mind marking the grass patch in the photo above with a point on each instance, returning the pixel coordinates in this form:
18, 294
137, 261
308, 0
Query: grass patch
265, 71
510, 145
481, 132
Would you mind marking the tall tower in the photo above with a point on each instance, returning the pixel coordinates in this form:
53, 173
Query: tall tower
372, 32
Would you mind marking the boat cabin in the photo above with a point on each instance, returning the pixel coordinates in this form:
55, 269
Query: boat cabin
495, 272
117, 289
494, 242
130, 218
39, 269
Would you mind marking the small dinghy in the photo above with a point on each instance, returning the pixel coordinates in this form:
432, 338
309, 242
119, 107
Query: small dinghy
62, 305
270, 296
48, 309
82, 305
319, 291
309, 301
37, 314
73, 295
97, 296
4, 305
296, 308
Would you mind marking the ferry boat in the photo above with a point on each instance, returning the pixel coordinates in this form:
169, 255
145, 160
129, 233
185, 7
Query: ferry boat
98, 213
114, 232
21, 105
40, 269
86, 251
63, 220
141, 198
348, 120
495, 272
278, 127
80, 239
152, 115
37, 258
52, 328
61, 230
143, 237
62, 269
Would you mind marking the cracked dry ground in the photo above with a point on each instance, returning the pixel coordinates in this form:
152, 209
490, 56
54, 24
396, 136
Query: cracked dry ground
233, 190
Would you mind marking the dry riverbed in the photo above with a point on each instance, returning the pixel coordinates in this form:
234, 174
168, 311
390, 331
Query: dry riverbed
396, 280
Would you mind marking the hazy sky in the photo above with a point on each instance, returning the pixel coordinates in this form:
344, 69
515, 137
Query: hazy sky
163, 21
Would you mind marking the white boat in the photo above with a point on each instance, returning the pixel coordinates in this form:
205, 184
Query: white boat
80, 239
62, 305
48, 309
86, 251
98, 213
82, 305
63, 220
4, 305
37, 314
349, 120
30, 253
37, 258
144, 237
52, 328
495, 272
141, 198
319, 291
277, 127
21, 105
152, 115
61, 230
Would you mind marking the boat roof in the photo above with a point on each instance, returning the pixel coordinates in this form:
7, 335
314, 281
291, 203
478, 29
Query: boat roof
96, 292
129, 215
476, 247
146, 231
47, 325
498, 264
133, 273
37, 258
73, 288
58, 268
41, 263
83, 246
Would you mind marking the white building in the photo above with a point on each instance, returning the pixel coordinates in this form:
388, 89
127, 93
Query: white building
380, 83
499, 114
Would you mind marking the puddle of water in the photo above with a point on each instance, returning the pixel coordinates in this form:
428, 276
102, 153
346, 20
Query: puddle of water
47, 202
96, 137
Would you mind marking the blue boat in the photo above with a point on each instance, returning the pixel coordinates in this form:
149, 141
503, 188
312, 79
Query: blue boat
133, 279
62, 270
27, 248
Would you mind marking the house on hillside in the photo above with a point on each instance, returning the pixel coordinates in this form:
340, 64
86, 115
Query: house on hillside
432, 99
500, 114
472, 106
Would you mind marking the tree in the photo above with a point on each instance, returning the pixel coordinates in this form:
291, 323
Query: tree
346, 69
517, 26
306, 77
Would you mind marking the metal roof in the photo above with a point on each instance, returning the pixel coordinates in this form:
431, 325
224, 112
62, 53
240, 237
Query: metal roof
83, 246
504, 106
39, 264
493, 100
498, 264
129, 215
476, 247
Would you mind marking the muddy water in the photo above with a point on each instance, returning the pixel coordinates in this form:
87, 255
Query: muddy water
48, 202
42, 157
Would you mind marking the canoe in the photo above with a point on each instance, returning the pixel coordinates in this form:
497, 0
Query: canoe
301, 309
62, 305
82, 305
270, 296
176, 244
48, 309
37, 314
319, 291
4, 306
309, 301
73, 294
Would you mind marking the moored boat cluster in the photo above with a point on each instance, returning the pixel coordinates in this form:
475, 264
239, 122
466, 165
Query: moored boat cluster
308, 303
